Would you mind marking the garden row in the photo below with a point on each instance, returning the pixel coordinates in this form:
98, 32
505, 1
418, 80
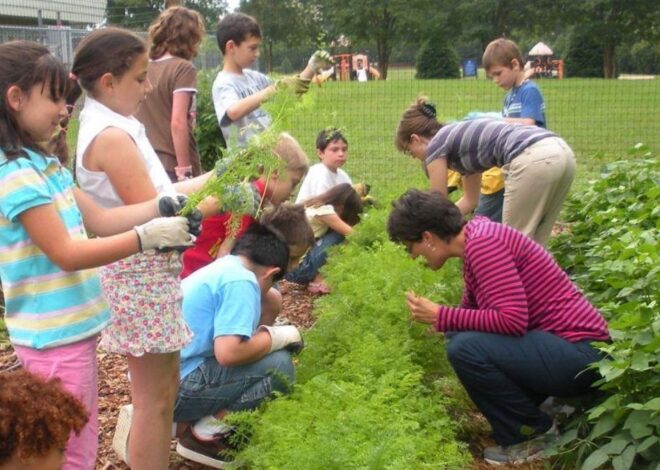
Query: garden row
376, 391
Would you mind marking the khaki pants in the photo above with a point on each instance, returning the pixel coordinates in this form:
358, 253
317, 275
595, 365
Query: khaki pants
536, 184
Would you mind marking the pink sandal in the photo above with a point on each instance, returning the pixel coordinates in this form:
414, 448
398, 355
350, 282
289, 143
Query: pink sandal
320, 288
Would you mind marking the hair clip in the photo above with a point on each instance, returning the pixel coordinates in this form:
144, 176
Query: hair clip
428, 110
73, 76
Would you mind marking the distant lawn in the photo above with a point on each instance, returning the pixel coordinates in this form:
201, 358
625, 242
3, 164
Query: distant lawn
600, 119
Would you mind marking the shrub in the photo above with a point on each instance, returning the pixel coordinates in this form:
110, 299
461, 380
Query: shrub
437, 58
584, 57
611, 252
210, 142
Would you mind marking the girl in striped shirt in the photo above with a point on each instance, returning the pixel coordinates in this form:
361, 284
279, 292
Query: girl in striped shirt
523, 330
54, 305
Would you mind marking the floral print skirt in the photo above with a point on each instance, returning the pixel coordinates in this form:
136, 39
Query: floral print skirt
144, 294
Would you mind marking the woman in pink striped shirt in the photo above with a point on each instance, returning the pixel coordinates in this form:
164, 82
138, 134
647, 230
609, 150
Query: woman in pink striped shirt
523, 330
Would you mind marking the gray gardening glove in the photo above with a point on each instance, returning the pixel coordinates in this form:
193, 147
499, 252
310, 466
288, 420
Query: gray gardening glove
284, 337
320, 60
164, 232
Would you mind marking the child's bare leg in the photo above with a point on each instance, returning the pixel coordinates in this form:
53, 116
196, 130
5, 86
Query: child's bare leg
154, 384
271, 306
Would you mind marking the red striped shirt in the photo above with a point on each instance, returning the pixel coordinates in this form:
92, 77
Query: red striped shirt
513, 285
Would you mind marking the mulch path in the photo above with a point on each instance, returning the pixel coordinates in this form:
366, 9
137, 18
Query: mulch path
114, 390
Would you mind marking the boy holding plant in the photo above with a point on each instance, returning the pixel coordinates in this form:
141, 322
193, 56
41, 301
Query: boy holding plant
238, 91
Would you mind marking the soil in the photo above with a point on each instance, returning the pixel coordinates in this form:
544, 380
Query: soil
114, 390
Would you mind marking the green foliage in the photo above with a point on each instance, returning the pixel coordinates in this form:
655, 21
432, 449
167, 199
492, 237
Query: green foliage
373, 390
210, 142
585, 55
437, 58
611, 252
240, 165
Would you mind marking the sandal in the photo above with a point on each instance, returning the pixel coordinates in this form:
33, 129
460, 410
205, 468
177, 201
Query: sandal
320, 288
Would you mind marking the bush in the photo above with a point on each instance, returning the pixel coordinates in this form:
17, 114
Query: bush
584, 57
437, 58
210, 142
611, 252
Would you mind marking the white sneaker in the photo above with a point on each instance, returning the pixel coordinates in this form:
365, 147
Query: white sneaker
122, 431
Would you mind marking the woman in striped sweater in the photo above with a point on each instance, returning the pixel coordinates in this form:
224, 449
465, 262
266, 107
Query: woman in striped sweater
523, 330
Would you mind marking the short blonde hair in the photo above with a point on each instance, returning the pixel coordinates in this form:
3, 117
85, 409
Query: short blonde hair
501, 52
178, 31
290, 151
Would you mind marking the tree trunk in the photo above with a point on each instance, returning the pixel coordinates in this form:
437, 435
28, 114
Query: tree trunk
383, 57
608, 61
269, 57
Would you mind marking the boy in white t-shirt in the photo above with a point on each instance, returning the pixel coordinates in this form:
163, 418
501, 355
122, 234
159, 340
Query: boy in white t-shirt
332, 150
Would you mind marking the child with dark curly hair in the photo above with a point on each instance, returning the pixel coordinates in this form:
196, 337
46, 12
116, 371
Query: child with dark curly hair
36, 419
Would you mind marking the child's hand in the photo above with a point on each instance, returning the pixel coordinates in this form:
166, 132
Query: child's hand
320, 60
295, 83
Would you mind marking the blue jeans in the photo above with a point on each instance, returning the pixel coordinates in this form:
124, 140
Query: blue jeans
508, 377
314, 259
211, 387
490, 205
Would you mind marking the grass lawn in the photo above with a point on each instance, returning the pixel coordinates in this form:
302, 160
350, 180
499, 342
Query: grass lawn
600, 119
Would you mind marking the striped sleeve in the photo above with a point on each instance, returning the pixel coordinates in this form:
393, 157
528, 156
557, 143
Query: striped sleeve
502, 300
21, 188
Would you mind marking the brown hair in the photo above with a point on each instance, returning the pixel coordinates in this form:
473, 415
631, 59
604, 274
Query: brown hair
36, 415
236, 27
290, 220
290, 151
25, 64
420, 119
178, 31
340, 195
107, 50
502, 52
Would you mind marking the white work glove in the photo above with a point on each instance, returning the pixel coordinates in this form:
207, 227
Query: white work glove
284, 337
320, 60
164, 232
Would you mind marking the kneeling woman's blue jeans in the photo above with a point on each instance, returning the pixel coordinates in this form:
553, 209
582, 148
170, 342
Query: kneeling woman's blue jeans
314, 259
508, 377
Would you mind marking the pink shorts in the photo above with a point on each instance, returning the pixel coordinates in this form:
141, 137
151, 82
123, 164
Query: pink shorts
75, 364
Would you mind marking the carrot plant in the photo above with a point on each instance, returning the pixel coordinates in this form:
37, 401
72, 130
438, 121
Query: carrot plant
611, 252
373, 389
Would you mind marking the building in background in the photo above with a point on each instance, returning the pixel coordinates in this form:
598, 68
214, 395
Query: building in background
72, 13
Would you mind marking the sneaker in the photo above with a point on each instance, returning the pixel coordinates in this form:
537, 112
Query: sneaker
527, 451
209, 453
122, 431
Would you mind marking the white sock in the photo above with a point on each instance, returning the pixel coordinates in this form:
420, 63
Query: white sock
208, 426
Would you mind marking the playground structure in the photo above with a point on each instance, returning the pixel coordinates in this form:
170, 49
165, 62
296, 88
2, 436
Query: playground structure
542, 65
347, 66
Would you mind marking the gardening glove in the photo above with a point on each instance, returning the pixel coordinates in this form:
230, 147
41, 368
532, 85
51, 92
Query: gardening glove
241, 198
319, 60
295, 83
169, 206
479, 115
164, 232
284, 337
221, 166
183, 172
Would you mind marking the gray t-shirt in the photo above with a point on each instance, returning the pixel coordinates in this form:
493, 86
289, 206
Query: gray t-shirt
475, 146
229, 88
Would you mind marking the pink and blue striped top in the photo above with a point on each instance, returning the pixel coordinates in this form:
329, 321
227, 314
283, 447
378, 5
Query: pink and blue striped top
45, 306
513, 285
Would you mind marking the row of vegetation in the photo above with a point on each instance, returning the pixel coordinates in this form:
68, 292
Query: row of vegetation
375, 390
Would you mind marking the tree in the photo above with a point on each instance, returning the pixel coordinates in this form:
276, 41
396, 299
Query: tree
138, 14
437, 58
382, 22
280, 21
612, 22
